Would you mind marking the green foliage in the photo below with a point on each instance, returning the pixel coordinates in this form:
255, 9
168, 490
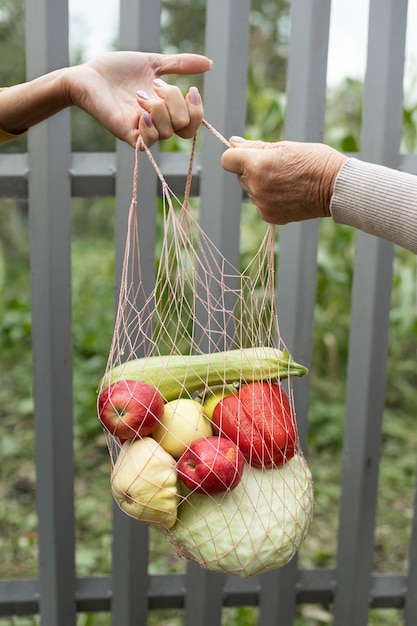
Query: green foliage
12, 54
93, 308
409, 125
183, 30
12, 37
88, 135
265, 109
344, 116
183, 23
269, 38
240, 616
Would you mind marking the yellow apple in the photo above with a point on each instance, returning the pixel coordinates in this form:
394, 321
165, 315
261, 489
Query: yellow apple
182, 422
213, 395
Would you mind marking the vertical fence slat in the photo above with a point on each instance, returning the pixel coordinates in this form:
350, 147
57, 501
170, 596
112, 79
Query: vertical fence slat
227, 43
139, 30
296, 281
410, 610
203, 597
50, 241
306, 103
370, 322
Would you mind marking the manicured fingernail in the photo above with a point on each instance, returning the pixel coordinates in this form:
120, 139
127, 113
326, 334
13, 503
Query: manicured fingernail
143, 94
159, 82
148, 119
236, 139
195, 97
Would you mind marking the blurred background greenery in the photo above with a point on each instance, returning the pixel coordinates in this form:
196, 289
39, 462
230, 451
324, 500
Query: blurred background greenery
93, 311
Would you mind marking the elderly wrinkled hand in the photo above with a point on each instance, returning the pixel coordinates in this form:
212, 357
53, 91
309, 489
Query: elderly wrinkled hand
287, 181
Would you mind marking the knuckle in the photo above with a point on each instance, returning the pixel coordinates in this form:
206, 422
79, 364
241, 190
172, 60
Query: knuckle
181, 122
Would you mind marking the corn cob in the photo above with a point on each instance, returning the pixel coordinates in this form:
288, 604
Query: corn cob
173, 375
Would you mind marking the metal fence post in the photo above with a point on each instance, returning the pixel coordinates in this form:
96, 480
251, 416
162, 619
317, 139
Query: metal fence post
371, 300
227, 43
139, 30
296, 280
50, 238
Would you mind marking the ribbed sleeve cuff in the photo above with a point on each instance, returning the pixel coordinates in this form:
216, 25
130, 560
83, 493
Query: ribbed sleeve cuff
377, 200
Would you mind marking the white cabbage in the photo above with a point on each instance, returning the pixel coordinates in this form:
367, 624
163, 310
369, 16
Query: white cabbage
258, 526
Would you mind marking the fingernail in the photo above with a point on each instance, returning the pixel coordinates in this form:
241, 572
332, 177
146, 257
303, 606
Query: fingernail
236, 139
148, 119
143, 94
159, 82
195, 97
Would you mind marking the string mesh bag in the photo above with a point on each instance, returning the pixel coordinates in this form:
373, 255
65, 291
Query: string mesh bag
197, 401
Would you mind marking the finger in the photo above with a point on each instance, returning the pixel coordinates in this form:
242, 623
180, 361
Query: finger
195, 113
185, 115
147, 130
175, 106
183, 63
159, 114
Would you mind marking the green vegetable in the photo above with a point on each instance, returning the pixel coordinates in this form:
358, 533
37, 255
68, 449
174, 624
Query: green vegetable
172, 375
258, 526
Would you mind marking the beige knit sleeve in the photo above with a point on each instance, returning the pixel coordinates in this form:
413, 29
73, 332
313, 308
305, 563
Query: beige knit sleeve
377, 200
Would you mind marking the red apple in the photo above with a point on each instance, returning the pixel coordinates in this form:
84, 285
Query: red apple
211, 465
129, 409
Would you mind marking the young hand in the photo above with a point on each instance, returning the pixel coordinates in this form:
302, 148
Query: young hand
124, 91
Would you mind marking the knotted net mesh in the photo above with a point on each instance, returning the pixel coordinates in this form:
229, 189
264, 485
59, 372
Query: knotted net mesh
197, 401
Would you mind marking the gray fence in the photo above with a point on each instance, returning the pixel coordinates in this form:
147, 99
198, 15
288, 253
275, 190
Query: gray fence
49, 174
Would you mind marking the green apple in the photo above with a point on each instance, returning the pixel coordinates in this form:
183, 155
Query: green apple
182, 422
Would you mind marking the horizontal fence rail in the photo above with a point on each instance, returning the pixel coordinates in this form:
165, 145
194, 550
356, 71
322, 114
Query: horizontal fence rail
94, 594
94, 174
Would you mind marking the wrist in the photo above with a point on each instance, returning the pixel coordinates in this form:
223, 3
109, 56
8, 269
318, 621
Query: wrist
27, 104
69, 85
335, 163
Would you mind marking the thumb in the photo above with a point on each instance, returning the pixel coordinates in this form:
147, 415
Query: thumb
234, 159
183, 63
